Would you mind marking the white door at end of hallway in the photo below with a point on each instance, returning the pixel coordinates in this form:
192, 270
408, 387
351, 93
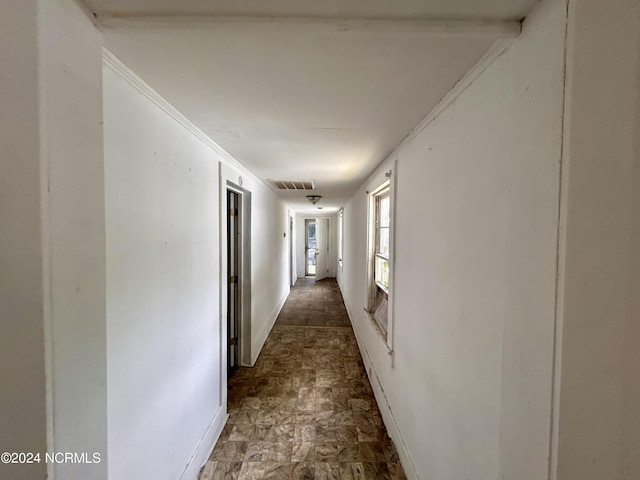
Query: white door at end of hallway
322, 255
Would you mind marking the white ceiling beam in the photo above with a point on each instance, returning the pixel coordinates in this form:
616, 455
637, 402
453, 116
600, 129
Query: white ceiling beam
453, 27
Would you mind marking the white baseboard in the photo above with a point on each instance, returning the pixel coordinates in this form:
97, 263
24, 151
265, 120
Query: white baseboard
383, 403
205, 447
258, 343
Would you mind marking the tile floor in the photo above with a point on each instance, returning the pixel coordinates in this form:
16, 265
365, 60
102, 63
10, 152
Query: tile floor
312, 303
306, 410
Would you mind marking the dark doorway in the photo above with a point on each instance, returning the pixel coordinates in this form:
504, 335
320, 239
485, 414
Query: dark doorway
233, 283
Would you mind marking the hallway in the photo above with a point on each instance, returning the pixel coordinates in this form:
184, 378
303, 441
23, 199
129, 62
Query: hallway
306, 410
317, 304
467, 170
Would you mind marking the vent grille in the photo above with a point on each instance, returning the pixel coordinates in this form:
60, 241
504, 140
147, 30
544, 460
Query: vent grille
293, 184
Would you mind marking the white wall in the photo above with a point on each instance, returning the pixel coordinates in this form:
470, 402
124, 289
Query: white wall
269, 263
300, 244
22, 375
468, 386
599, 408
166, 242
51, 76
163, 271
75, 250
269, 253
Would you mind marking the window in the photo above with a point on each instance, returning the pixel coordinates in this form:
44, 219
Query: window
380, 256
381, 251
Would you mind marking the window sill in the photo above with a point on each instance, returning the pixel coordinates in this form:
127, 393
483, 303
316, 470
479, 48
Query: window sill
383, 290
381, 335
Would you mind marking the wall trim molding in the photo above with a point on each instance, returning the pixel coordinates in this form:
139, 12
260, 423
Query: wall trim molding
112, 62
388, 417
205, 447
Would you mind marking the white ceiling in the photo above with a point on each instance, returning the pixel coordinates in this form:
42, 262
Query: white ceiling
300, 99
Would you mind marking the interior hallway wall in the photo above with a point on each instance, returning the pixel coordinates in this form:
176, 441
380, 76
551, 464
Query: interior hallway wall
300, 243
53, 231
166, 253
23, 425
164, 332
71, 82
468, 385
599, 388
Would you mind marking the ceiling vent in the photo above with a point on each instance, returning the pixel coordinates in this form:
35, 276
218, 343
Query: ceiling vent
293, 184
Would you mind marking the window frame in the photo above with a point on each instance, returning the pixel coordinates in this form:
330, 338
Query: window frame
382, 185
377, 254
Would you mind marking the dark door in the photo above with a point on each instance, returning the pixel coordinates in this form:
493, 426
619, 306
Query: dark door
233, 293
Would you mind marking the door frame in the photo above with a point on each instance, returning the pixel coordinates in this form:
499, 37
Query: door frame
307, 222
244, 270
301, 242
292, 249
234, 277
322, 248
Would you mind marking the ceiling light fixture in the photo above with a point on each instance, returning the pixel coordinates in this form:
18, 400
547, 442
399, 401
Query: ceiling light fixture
314, 198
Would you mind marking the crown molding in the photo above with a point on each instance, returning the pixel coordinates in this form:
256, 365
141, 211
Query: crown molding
115, 64
495, 51
345, 26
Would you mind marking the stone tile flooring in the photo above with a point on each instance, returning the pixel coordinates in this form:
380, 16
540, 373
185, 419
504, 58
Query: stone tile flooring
306, 410
315, 304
